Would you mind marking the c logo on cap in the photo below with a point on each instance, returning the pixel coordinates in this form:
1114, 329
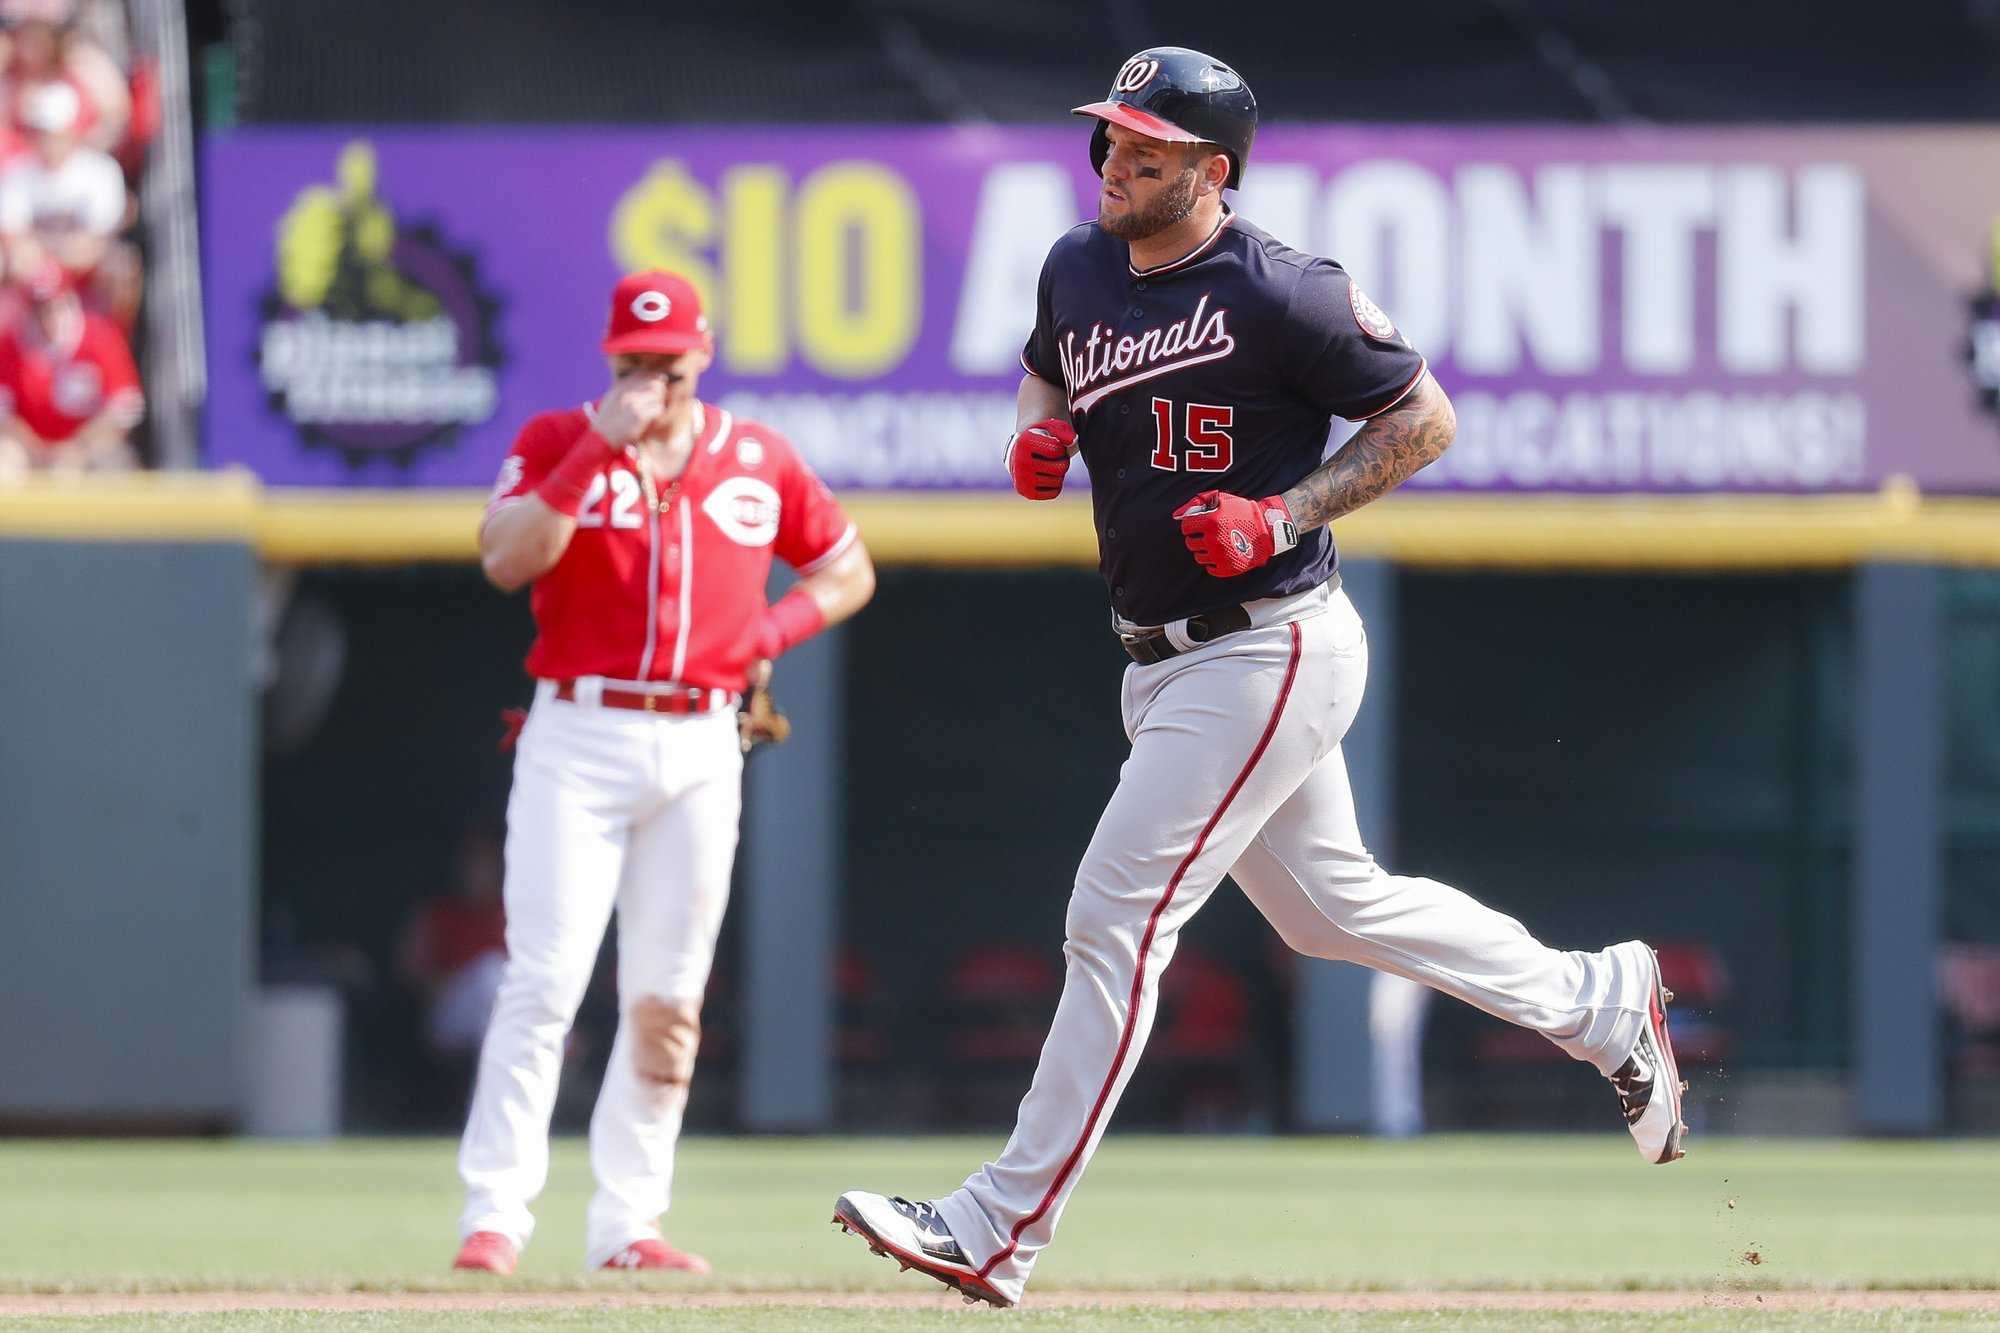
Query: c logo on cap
652, 306
1135, 75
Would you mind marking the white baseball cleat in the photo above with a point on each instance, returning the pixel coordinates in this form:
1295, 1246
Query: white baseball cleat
916, 1237
1649, 1082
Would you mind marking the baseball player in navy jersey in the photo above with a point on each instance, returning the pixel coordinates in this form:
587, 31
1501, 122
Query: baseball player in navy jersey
1197, 364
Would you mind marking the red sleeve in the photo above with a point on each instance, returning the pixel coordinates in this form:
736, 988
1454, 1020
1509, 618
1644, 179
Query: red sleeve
812, 527
123, 397
537, 449
10, 376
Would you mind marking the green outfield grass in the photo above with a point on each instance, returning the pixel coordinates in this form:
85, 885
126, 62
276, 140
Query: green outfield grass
1202, 1214
1051, 1321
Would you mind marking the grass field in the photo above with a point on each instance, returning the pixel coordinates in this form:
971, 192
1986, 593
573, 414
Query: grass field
1737, 1220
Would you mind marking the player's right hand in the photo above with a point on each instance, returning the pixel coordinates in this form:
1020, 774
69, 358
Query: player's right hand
1038, 457
629, 407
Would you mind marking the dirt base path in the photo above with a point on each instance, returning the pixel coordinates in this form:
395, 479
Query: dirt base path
210, 1302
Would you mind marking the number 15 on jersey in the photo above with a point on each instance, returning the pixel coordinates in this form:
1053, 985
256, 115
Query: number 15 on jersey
1204, 447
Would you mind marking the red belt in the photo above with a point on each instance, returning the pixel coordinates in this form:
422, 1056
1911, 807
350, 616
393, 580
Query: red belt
677, 700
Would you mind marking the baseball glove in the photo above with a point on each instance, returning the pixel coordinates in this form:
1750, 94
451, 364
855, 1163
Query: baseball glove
758, 721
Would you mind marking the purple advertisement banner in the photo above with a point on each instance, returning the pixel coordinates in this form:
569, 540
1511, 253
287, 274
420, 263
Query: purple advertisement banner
1661, 311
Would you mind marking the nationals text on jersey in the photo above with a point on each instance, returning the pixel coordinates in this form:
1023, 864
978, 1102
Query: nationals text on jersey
1199, 337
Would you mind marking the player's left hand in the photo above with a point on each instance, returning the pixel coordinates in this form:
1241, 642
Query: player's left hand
758, 721
1231, 535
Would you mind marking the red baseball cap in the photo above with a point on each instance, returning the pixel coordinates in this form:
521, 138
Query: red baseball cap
654, 311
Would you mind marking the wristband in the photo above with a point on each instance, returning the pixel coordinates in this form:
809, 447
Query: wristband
794, 619
564, 488
1284, 529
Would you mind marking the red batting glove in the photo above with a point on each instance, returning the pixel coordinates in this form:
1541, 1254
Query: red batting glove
1230, 535
1038, 457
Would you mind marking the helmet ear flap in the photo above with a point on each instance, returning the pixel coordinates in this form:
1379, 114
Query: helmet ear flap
1100, 147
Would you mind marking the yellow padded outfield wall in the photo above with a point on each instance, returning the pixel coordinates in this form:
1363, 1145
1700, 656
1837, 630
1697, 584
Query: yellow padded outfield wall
383, 527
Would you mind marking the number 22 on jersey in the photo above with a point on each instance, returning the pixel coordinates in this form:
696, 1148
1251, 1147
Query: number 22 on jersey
1206, 447
623, 511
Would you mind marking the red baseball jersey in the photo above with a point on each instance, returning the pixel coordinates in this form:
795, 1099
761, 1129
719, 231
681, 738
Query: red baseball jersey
663, 580
56, 388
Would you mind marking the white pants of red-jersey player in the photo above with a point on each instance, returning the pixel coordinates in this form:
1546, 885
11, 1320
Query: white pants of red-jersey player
1236, 768
610, 808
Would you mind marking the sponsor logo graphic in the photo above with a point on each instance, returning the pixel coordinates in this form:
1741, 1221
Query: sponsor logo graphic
746, 510
749, 451
376, 337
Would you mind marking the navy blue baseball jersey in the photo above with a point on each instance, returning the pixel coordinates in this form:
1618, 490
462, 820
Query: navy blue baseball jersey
1222, 370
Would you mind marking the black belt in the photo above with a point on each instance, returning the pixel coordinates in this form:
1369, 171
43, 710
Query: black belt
1154, 645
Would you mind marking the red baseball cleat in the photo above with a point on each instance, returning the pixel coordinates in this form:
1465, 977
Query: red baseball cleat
656, 1254
487, 1252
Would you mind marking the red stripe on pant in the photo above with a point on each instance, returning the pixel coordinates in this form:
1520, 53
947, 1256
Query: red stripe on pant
1145, 947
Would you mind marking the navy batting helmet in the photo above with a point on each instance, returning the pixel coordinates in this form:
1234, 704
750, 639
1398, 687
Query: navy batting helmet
1182, 96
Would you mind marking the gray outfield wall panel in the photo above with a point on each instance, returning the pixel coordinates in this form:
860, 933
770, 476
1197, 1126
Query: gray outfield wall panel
1899, 823
127, 787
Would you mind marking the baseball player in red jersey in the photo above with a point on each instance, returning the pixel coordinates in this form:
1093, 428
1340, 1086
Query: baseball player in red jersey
646, 522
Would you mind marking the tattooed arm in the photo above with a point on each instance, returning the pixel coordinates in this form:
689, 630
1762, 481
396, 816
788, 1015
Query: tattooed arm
1383, 454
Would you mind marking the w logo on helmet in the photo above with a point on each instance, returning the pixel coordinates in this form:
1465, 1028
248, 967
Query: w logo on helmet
1135, 74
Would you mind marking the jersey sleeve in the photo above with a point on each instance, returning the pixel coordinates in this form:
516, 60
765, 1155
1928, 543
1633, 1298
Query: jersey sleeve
1039, 357
124, 400
813, 530
1341, 351
10, 376
537, 449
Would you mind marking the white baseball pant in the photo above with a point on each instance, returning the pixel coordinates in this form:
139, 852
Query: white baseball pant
1236, 768
609, 808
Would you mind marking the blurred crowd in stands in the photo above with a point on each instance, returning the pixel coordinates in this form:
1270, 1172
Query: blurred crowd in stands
79, 111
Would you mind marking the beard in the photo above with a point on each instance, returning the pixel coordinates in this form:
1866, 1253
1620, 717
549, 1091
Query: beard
1171, 205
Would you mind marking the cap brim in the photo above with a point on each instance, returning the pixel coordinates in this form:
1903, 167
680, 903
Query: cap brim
1140, 122
665, 341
